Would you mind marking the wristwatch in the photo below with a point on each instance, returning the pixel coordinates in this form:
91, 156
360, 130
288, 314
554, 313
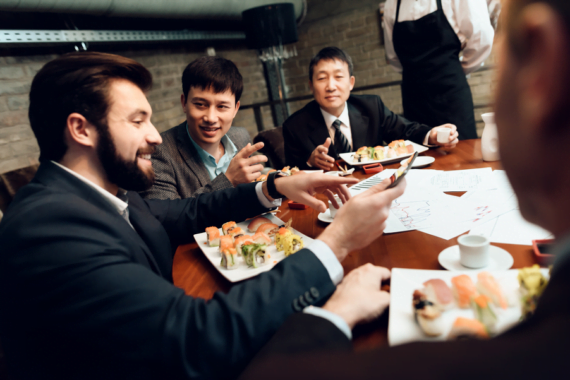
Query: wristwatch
271, 189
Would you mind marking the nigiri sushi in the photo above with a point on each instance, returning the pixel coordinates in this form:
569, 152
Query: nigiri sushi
229, 258
463, 290
488, 285
256, 222
270, 229
261, 238
213, 236
427, 315
439, 293
227, 226
470, 328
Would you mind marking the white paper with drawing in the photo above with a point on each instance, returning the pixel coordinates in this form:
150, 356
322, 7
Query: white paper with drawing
463, 180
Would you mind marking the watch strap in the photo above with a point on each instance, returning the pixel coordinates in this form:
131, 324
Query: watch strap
271, 189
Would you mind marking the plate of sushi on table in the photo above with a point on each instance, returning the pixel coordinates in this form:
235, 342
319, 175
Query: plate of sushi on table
394, 152
433, 305
243, 250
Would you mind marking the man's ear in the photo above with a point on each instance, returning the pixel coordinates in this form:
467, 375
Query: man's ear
80, 131
352, 80
544, 61
237, 108
311, 86
183, 102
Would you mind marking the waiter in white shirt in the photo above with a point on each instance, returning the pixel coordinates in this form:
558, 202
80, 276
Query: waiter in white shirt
423, 38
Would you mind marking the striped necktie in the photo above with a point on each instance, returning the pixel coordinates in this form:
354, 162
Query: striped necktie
341, 143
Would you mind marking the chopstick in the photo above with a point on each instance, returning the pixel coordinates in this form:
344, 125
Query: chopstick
341, 168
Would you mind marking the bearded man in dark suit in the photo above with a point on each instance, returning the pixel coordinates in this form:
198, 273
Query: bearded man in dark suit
338, 122
532, 103
86, 286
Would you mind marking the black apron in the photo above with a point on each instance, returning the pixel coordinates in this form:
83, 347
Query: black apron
434, 88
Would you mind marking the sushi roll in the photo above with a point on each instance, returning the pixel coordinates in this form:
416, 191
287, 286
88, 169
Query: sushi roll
213, 236
279, 236
488, 286
235, 232
256, 222
229, 258
270, 229
254, 254
532, 284
379, 153
463, 290
439, 293
467, 328
241, 241
484, 312
261, 238
427, 315
226, 242
227, 226
291, 244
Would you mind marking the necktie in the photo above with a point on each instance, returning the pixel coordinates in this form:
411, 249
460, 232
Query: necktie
341, 143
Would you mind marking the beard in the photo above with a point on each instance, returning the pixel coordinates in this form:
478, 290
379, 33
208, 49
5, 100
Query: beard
125, 174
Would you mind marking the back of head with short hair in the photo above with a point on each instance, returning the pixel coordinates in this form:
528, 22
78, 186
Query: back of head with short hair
330, 53
216, 73
76, 82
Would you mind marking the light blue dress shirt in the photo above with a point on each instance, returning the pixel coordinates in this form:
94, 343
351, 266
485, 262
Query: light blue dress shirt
215, 169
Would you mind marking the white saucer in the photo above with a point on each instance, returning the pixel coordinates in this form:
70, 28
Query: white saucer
325, 217
500, 259
420, 161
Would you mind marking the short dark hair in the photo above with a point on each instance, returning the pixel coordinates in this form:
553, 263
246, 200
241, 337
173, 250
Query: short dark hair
76, 82
217, 73
330, 53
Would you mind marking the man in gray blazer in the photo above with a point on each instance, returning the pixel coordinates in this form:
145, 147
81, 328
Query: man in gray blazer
205, 153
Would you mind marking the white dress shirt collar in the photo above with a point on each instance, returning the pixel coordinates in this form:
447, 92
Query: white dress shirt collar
344, 119
117, 203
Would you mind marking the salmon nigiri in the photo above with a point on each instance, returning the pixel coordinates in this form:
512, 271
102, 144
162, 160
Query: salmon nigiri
467, 327
463, 290
488, 285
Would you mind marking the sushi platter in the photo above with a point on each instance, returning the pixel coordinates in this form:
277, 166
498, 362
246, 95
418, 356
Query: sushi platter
402, 325
242, 271
349, 157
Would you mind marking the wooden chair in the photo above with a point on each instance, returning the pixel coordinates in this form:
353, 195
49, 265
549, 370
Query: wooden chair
12, 181
274, 147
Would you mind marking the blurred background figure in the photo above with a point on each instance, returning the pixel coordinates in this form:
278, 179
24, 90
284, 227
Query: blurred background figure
423, 40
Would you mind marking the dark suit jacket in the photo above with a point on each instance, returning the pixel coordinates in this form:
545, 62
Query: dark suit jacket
83, 295
371, 123
180, 172
309, 347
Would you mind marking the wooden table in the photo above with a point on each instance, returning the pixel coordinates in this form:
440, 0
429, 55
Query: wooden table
413, 249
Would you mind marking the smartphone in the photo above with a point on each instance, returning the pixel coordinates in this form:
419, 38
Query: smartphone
403, 170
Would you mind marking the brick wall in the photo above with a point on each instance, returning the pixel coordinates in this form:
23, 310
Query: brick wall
354, 26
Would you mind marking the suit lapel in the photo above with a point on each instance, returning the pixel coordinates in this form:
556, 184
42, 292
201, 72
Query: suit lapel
358, 127
190, 155
54, 176
318, 129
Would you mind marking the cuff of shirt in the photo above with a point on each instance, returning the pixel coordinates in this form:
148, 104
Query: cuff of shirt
263, 199
329, 260
426, 140
331, 317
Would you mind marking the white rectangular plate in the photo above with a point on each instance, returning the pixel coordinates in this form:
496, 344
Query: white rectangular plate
347, 157
242, 271
402, 328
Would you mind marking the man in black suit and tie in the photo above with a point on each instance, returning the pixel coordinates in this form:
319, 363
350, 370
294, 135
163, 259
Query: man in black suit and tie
86, 286
532, 103
205, 153
338, 122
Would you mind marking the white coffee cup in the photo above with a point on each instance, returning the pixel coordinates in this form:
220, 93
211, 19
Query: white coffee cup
331, 207
443, 135
473, 251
